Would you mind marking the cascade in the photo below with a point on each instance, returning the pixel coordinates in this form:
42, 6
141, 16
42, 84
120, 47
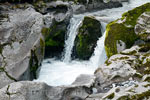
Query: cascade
72, 32
57, 72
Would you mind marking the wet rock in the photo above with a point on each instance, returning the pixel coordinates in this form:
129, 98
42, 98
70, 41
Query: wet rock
55, 31
87, 37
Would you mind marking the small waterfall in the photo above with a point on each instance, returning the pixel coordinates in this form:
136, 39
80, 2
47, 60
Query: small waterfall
57, 72
72, 32
99, 55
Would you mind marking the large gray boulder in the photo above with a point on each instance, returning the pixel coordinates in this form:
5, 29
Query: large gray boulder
21, 44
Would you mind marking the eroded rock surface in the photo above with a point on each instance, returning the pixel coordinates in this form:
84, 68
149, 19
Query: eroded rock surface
21, 43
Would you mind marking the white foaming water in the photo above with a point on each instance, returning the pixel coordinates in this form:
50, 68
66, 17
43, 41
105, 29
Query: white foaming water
56, 72
72, 32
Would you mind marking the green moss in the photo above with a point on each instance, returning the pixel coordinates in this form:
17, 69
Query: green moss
45, 32
138, 75
144, 47
111, 96
115, 32
147, 85
147, 79
140, 96
123, 31
87, 37
129, 53
107, 62
42, 45
123, 98
132, 15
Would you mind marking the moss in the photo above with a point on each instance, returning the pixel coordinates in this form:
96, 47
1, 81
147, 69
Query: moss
147, 85
87, 37
144, 47
111, 96
140, 96
2, 69
123, 31
147, 79
115, 32
107, 62
45, 31
33, 65
138, 75
1, 48
132, 15
42, 45
123, 98
54, 38
144, 36
129, 53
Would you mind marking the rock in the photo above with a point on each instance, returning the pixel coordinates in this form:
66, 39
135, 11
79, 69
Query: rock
123, 30
131, 63
27, 90
22, 44
136, 91
91, 5
87, 37
55, 31
84, 80
142, 28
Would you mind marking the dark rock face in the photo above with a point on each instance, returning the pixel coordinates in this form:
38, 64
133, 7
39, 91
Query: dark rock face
55, 32
22, 44
86, 40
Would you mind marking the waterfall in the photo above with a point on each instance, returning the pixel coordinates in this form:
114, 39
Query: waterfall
57, 72
99, 55
71, 35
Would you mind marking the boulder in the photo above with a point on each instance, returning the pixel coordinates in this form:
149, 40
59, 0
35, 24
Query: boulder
22, 44
86, 39
120, 33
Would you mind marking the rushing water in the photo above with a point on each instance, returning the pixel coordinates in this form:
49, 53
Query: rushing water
64, 72
72, 32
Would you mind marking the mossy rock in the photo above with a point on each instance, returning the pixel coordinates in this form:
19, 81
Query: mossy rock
87, 37
54, 38
123, 29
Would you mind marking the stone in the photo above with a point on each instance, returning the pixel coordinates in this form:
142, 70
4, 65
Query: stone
86, 39
59, 14
142, 28
123, 30
22, 46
